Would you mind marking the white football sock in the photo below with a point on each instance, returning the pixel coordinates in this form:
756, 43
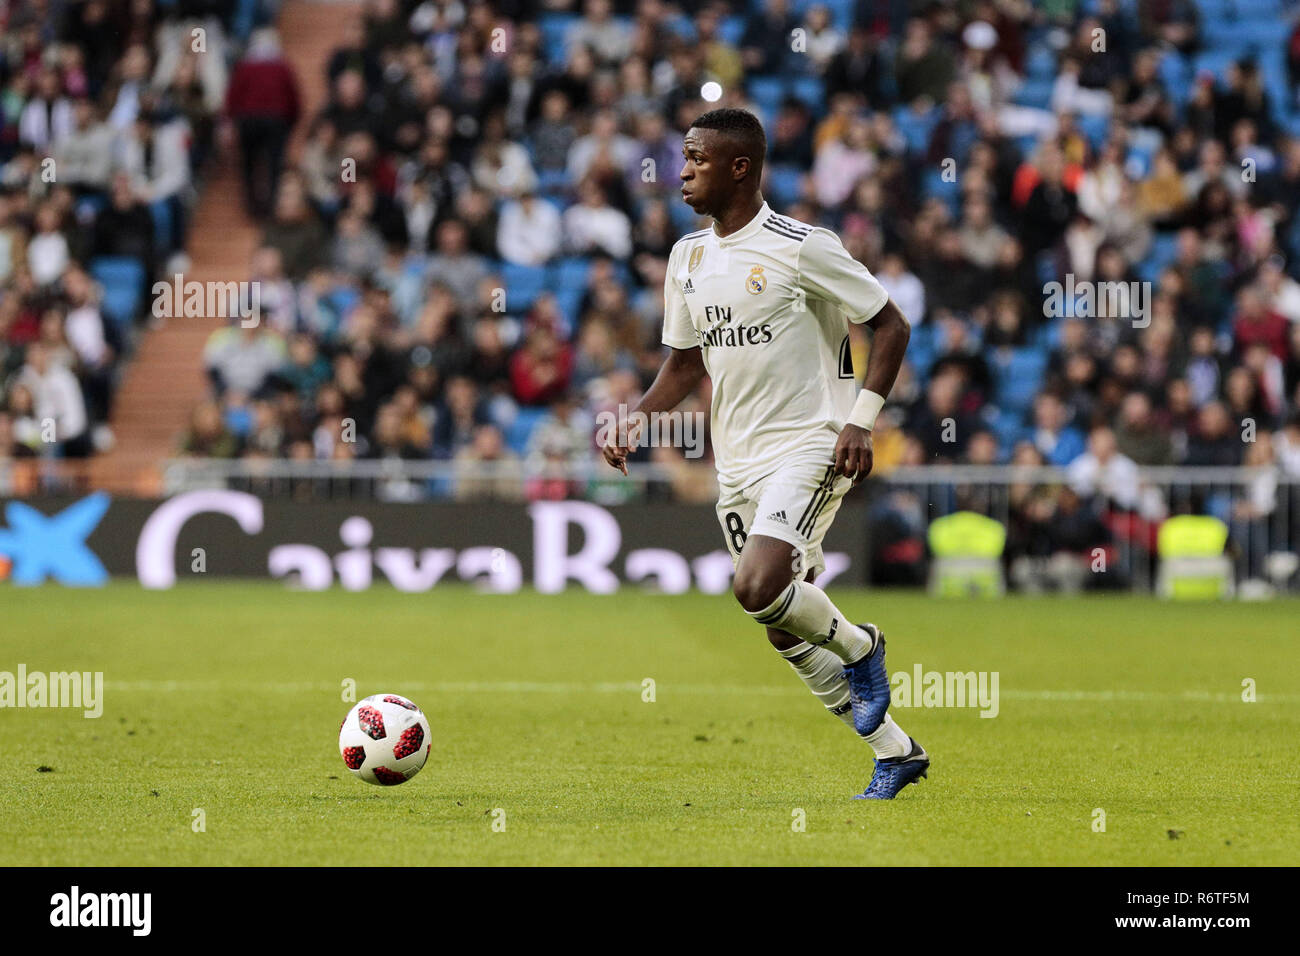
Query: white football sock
823, 673
804, 610
889, 740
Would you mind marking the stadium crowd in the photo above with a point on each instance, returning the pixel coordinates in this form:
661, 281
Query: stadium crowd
108, 112
466, 260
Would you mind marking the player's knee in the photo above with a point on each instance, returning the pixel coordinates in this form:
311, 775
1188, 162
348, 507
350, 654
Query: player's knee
756, 590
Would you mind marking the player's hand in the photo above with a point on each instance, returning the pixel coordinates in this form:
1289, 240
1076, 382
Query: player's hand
854, 455
616, 455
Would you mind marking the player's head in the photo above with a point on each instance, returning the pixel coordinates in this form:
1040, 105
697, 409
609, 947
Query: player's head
723, 152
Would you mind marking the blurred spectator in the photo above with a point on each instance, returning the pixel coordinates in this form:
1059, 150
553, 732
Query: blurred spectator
1059, 442
243, 358
208, 436
262, 101
1214, 440
529, 231
295, 232
84, 154
57, 404
486, 469
540, 371
1103, 470
592, 225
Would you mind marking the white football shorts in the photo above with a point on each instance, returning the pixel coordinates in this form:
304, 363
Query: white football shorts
796, 503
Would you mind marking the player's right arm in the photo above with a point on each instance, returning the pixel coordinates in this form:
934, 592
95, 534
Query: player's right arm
678, 376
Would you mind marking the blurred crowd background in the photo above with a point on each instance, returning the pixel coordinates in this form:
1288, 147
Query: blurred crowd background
109, 112
465, 260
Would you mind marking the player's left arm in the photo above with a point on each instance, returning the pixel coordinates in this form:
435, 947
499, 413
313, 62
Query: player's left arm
828, 272
854, 454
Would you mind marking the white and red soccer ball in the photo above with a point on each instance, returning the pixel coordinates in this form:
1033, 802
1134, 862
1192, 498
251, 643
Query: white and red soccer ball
385, 739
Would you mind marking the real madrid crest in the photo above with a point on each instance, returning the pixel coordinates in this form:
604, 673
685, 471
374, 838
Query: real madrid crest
697, 254
755, 282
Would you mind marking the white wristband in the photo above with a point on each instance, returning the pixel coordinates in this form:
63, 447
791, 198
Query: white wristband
865, 409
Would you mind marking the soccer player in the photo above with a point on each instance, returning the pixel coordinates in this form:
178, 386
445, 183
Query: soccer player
761, 303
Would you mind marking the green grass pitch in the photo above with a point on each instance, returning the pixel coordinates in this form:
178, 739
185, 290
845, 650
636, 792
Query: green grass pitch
226, 697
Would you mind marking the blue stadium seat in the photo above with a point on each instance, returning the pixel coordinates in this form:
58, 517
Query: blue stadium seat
682, 26
767, 92
123, 280
1096, 128
555, 35
164, 222
841, 10
1046, 267
683, 217
1215, 61
88, 207
731, 30
1048, 335
921, 358
569, 302
842, 13
1036, 93
1010, 428
1041, 63
343, 299
1214, 10
522, 428
1175, 73
1019, 373
810, 90
1026, 144
553, 183
523, 285
916, 128
1240, 34
1163, 251
570, 273
568, 281
921, 349
1255, 9
934, 186
245, 18
784, 182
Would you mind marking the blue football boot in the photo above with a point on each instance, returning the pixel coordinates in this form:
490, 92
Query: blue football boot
894, 773
869, 685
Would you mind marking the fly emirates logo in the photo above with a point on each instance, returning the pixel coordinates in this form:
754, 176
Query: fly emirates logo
721, 333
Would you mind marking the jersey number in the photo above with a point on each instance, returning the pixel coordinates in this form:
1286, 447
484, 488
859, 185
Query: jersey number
736, 531
846, 359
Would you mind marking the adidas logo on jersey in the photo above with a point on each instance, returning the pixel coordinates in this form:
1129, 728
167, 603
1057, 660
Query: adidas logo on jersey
778, 516
688, 288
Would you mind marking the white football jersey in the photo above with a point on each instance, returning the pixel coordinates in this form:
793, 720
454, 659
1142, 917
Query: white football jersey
769, 306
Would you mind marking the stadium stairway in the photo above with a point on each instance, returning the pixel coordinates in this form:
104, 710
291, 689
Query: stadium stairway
165, 379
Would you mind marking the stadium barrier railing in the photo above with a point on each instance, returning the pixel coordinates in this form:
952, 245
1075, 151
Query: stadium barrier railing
1104, 535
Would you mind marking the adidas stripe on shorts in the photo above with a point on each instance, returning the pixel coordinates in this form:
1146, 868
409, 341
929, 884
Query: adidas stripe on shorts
796, 503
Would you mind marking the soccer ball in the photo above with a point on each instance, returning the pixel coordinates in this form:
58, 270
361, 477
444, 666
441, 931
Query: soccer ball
385, 739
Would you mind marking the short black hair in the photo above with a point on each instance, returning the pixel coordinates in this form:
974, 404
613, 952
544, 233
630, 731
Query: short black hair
743, 127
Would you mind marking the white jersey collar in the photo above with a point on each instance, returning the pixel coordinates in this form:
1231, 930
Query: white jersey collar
745, 231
